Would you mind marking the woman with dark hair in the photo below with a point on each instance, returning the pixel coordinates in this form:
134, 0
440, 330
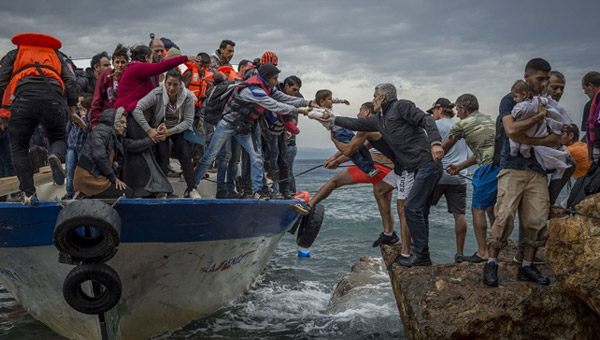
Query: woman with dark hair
171, 113
102, 157
105, 93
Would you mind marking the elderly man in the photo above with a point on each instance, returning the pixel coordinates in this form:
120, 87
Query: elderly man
416, 143
222, 56
556, 85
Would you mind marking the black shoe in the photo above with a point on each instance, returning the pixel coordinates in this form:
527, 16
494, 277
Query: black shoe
384, 239
458, 258
302, 208
67, 197
476, 258
286, 195
531, 273
259, 197
221, 194
490, 274
58, 174
413, 260
232, 195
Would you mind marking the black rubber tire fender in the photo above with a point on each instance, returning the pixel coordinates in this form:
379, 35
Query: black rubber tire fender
101, 274
88, 213
310, 226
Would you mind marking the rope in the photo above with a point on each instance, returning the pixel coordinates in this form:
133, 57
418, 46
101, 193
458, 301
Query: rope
573, 212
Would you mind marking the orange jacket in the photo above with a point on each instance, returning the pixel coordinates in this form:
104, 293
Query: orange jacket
37, 52
198, 85
229, 73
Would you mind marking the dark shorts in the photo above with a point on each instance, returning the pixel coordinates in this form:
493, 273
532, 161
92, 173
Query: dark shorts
456, 197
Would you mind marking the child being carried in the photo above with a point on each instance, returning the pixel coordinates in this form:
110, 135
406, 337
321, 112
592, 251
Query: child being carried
551, 159
361, 157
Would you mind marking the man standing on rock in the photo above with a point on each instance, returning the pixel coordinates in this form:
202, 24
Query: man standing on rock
477, 129
415, 141
522, 183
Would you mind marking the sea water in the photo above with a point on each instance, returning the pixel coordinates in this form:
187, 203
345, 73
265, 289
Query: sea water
291, 298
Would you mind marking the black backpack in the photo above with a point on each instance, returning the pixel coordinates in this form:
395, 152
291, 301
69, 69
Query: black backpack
215, 103
585, 186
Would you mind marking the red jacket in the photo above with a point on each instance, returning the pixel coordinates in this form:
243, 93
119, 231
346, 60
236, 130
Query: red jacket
104, 96
135, 82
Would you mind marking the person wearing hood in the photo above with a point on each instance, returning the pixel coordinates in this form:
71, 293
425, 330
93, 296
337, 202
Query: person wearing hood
172, 113
102, 157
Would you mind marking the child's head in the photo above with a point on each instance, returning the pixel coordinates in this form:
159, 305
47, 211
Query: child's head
324, 98
570, 135
520, 91
84, 103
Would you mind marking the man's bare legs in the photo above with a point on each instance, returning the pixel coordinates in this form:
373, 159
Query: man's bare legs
381, 192
340, 179
404, 231
480, 229
460, 229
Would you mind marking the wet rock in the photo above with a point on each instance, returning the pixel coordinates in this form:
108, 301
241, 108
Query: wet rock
449, 301
367, 282
573, 252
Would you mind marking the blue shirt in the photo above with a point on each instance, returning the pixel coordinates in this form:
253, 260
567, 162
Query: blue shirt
457, 154
506, 160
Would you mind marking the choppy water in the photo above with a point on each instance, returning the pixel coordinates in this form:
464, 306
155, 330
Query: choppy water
291, 299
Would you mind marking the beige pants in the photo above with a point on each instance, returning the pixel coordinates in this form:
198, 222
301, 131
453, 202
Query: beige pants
525, 191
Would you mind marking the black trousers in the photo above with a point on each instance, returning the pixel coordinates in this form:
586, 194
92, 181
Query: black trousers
182, 151
27, 112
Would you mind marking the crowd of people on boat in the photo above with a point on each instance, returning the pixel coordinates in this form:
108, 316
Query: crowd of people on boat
119, 126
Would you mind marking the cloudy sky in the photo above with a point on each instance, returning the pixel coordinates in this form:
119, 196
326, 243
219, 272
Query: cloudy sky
428, 49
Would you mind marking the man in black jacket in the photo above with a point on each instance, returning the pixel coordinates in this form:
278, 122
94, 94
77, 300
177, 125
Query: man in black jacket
413, 136
87, 80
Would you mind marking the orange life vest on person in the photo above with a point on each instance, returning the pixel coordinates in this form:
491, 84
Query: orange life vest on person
198, 85
37, 52
229, 73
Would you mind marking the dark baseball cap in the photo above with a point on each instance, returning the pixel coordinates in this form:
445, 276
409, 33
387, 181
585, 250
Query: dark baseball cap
441, 102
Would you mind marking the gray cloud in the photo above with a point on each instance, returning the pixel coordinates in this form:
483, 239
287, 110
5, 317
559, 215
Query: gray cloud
428, 48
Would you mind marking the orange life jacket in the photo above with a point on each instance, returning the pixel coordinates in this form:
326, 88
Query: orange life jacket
198, 85
37, 52
229, 72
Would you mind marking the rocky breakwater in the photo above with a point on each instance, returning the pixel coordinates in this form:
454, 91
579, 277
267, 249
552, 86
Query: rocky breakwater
449, 301
573, 252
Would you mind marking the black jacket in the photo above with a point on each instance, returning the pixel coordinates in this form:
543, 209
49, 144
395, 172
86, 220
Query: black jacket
405, 128
101, 142
86, 81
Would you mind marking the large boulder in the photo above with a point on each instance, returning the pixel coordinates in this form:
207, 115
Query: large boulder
449, 301
573, 252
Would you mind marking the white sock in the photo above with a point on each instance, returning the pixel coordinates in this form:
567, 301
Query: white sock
388, 234
492, 259
405, 255
525, 263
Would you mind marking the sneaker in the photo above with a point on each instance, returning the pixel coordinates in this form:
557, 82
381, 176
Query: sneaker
232, 195
413, 260
221, 194
490, 274
193, 194
258, 196
384, 239
302, 208
532, 274
373, 172
58, 174
459, 258
67, 197
29, 200
518, 259
286, 195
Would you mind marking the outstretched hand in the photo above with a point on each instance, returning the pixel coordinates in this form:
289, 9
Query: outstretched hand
120, 185
453, 169
437, 152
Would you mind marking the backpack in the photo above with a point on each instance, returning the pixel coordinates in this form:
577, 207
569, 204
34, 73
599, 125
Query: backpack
215, 103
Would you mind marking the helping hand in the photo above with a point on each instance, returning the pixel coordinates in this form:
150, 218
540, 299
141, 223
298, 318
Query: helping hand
120, 185
437, 152
453, 169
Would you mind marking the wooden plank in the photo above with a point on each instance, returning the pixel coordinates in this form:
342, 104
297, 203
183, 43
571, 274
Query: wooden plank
8, 185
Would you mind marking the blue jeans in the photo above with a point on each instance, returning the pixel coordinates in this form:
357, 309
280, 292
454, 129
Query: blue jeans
228, 161
417, 205
292, 150
224, 132
70, 163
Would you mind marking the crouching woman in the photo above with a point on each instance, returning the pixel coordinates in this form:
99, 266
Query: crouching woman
102, 158
169, 112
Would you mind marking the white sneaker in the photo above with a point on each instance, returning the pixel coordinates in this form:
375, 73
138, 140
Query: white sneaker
193, 194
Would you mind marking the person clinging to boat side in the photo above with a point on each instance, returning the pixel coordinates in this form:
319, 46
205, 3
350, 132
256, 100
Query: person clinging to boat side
40, 85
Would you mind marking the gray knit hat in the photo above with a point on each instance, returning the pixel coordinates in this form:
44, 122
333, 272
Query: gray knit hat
267, 70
